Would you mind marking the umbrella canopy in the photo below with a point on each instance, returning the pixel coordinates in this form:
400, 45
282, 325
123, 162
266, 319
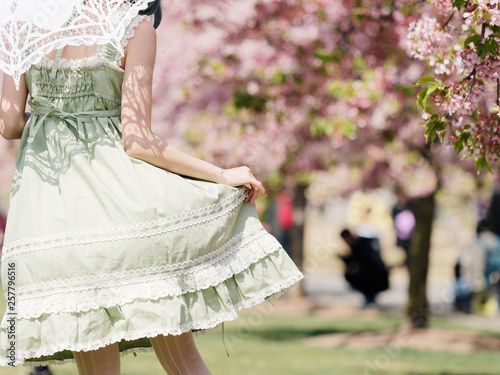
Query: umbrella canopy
30, 29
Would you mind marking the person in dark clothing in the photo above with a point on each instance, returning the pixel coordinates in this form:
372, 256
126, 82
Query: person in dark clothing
493, 213
41, 370
365, 269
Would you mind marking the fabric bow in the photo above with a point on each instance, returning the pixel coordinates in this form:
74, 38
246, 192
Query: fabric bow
80, 121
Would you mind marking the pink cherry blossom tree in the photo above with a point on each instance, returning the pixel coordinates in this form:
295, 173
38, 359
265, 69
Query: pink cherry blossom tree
301, 89
458, 39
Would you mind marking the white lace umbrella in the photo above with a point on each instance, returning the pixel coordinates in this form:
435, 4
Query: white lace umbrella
30, 29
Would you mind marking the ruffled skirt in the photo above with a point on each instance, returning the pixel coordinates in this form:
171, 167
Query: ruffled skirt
103, 248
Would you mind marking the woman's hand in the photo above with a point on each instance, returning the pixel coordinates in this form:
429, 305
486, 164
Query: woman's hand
242, 176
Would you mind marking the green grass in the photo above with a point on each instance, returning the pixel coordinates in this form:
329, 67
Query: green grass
263, 344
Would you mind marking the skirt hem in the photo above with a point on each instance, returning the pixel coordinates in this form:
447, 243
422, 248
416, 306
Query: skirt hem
271, 293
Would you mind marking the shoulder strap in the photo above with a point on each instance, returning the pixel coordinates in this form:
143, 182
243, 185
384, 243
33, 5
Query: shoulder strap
57, 59
56, 63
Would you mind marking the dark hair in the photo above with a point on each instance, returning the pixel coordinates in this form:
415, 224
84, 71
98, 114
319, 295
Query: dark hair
345, 233
154, 7
483, 226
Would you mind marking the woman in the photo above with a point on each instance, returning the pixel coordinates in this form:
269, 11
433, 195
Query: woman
118, 241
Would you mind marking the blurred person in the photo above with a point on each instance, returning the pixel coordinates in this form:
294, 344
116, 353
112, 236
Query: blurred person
365, 270
41, 370
461, 289
484, 257
490, 243
492, 219
404, 223
285, 218
477, 268
493, 211
270, 218
279, 218
369, 214
369, 231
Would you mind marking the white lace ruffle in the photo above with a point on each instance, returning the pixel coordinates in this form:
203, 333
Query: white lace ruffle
78, 63
87, 293
129, 33
125, 232
100, 57
205, 326
26, 42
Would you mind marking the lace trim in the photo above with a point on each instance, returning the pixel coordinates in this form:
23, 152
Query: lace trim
131, 29
109, 23
100, 57
79, 63
129, 33
204, 327
83, 294
126, 232
117, 279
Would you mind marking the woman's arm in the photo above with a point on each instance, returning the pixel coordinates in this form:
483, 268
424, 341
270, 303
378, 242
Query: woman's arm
138, 139
12, 105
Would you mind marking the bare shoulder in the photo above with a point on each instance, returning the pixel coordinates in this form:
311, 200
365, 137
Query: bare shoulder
145, 29
143, 42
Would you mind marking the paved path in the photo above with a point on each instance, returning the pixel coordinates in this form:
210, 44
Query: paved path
327, 289
332, 287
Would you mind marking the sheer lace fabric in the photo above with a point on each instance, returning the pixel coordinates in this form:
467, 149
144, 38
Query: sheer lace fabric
105, 54
32, 30
97, 59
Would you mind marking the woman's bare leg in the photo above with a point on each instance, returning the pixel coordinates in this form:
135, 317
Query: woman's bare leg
103, 361
179, 355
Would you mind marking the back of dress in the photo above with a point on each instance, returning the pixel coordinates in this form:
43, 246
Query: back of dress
107, 248
76, 112
66, 82
74, 109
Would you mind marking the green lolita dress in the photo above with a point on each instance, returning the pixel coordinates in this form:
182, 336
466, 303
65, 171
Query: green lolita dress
103, 248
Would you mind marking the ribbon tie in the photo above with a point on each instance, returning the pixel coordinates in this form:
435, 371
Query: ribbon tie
80, 121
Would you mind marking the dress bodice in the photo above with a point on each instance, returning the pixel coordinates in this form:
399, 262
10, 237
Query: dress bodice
79, 93
80, 96
77, 88
86, 84
90, 84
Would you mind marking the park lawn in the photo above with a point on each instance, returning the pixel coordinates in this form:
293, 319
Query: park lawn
269, 344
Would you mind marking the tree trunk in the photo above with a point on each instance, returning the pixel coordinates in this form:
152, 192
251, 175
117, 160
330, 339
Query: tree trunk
418, 262
297, 231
